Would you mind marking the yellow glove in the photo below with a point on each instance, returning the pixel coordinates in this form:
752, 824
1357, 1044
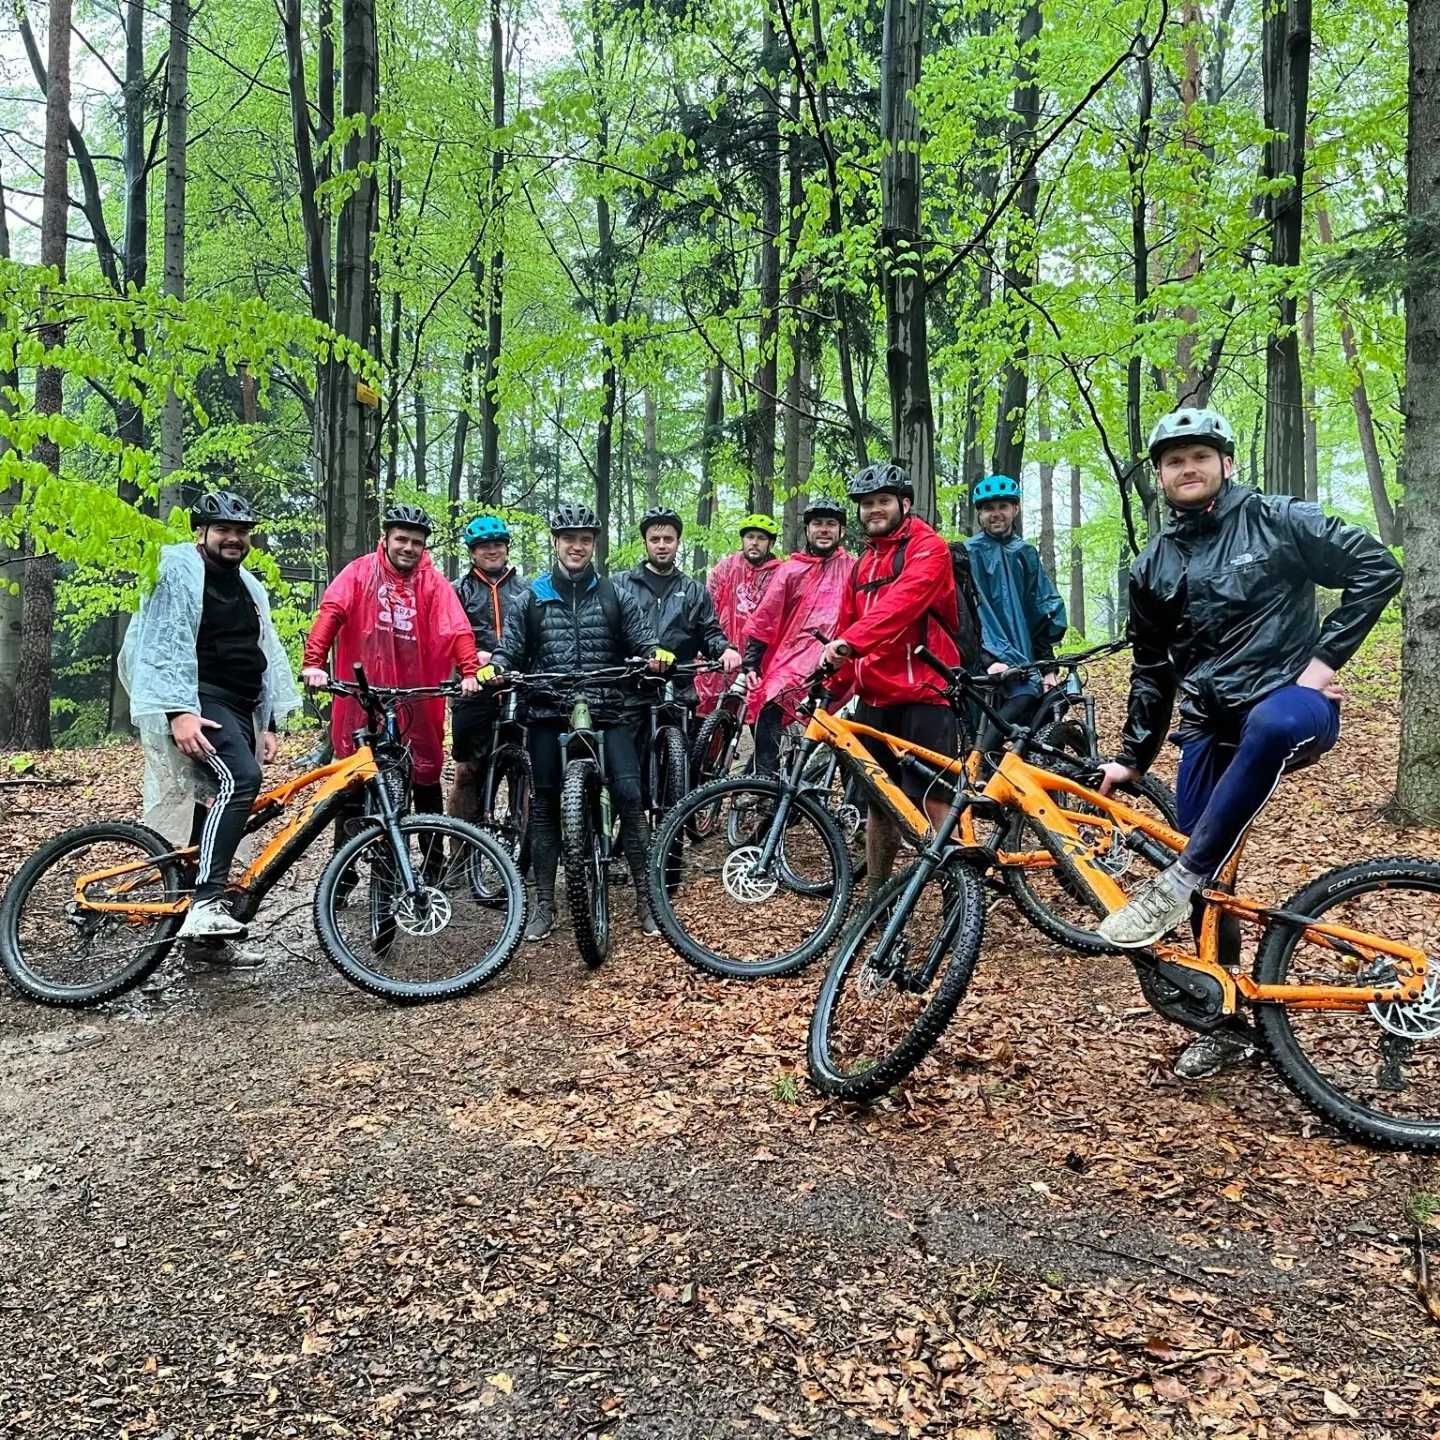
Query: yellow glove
662, 660
486, 673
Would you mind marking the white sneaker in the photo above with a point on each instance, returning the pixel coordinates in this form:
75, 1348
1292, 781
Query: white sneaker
209, 919
1153, 912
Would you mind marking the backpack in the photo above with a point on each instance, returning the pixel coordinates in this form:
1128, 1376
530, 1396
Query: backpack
967, 605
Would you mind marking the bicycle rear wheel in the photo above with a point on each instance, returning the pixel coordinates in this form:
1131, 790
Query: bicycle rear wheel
452, 936
1373, 1073
879, 1014
587, 878
505, 811
59, 952
715, 905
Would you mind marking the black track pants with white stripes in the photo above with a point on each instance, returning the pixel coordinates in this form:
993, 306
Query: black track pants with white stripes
236, 772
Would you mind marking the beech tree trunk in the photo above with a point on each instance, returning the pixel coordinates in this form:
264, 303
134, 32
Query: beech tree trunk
710, 437
1077, 554
31, 728
1047, 494
177, 122
609, 316
1419, 777
490, 478
11, 561
902, 251
1312, 439
767, 370
1286, 68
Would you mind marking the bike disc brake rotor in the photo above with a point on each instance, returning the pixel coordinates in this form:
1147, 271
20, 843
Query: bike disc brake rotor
424, 914
1413, 1020
742, 879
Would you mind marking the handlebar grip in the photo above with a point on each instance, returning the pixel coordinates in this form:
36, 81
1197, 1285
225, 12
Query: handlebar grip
937, 665
361, 683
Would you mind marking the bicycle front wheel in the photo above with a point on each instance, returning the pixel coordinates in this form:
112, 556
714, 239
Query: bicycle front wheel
55, 948
1373, 1073
506, 808
726, 912
454, 931
587, 879
881, 1009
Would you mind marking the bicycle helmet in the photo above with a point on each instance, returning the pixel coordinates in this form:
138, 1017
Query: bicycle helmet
1196, 427
484, 529
221, 507
995, 487
877, 479
572, 515
762, 523
412, 517
661, 515
824, 508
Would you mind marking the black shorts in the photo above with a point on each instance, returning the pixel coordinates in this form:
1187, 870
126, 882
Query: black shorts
933, 726
471, 722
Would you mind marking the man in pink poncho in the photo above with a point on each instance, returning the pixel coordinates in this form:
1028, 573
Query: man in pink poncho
780, 650
395, 613
737, 585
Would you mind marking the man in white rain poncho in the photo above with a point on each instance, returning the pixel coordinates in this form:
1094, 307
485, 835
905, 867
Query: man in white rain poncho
209, 682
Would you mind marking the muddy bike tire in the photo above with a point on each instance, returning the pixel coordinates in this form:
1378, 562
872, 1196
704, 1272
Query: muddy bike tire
1020, 834
587, 878
963, 906
22, 973
469, 973
1276, 1026
669, 839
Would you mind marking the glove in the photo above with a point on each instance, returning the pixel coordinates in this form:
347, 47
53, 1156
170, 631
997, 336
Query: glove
486, 673
662, 660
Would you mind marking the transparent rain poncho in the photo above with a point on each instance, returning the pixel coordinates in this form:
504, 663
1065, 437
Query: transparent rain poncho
159, 671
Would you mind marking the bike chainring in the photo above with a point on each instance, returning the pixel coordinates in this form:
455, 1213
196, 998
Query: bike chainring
742, 879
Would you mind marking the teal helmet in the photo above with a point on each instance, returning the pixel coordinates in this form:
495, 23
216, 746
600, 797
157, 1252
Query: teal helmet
995, 487
486, 528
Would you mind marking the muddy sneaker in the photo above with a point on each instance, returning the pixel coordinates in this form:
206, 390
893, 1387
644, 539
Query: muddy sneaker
1153, 912
1221, 1050
644, 915
208, 919
542, 920
226, 954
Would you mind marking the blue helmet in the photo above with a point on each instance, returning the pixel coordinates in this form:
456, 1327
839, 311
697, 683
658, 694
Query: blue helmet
995, 487
485, 528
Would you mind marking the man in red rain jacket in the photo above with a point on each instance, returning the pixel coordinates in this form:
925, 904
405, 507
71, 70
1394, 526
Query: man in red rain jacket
901, 595
737, 585
780, 650
395, 613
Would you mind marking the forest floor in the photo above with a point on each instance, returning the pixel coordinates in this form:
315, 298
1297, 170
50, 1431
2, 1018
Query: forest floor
582, 1205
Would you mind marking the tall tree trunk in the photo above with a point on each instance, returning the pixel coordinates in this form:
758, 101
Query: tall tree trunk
1021, 251
1385, 518
177, 122
397, 317
1077, 555
1419, 776
652, 447
31, 729
1047, 490
1186, 380
422, 439
609, 301
1286, 67
350, 518
799, 401
1137, 162
11, 603
710, 436
762, 461
490, 478
1312, 438
902, 251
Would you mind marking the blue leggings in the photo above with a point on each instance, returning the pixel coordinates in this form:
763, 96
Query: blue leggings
1227, 775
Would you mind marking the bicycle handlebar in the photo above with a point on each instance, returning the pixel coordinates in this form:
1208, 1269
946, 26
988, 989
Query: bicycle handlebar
377, 696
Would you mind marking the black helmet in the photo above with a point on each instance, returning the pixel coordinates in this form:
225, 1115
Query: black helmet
661, 515
572, 515
823, 507
875, 479
221, 507
412, 517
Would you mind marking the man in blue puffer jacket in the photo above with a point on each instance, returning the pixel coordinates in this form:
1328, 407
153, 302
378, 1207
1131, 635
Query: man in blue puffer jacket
1022, 616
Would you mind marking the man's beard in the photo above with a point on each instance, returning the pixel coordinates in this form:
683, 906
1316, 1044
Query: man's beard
759, 559
662, 567
231, 562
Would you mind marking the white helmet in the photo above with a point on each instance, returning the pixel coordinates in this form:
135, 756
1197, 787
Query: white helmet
1198, 427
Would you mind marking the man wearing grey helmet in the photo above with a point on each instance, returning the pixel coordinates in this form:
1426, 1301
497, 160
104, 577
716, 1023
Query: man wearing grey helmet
1222, 609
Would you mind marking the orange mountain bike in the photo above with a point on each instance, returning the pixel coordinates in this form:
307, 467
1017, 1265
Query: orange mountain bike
1342, 989
410, 907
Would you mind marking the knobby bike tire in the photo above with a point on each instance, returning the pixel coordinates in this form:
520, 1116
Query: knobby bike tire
471, 974
127, 976
709, 757
962, 889
672, 773
1272, 963
587, 880
670, 836
512, 770
1017, 836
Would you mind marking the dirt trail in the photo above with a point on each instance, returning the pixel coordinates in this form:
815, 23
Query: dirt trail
579, 1205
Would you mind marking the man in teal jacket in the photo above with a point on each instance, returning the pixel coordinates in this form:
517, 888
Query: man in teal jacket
1022, 616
